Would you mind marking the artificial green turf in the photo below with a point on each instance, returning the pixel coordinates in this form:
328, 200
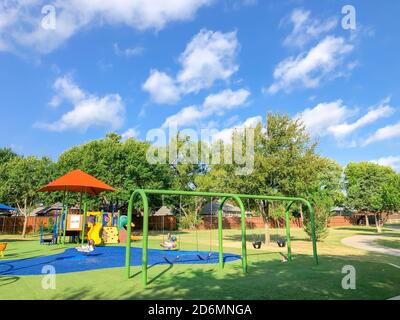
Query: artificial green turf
267, 277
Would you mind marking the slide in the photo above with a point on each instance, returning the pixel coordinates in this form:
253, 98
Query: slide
94, 233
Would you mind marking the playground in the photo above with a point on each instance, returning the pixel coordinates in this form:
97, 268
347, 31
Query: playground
267, 276
88, 254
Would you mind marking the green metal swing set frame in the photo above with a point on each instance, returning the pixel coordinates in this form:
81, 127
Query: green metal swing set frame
143, 194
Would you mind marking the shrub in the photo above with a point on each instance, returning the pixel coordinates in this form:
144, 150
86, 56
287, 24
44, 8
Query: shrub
322, 215
189, 221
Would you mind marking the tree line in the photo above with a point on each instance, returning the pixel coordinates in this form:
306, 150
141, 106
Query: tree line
286, 163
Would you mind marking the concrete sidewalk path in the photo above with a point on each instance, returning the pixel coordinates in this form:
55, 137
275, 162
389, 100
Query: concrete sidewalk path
368, 243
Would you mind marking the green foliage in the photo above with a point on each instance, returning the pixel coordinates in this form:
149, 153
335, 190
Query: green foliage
121, 164
6, 154
190, 221
322, 205
391, 193
369, 186
321, 224
21, 177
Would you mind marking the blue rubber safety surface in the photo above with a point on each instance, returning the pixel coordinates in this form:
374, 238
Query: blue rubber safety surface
105, 257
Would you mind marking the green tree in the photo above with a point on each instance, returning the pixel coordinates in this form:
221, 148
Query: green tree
6, 154
285, 163
121, 164
372, 188
20, 178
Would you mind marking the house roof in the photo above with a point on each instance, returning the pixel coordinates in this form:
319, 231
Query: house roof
163, 211
212, 208
42, 210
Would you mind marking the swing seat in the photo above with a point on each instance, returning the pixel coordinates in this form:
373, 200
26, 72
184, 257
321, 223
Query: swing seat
281, 243
205, 258
169, 246
171, 262
257, 244
48, 240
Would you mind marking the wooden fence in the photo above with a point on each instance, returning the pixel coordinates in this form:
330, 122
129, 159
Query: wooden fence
14, 225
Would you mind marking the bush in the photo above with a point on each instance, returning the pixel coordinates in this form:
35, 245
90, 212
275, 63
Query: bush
189, 221
321, 223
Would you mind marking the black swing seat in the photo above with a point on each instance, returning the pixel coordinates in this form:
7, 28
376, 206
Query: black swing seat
171, 261
257, 244
281, 243
49, 240
205, 258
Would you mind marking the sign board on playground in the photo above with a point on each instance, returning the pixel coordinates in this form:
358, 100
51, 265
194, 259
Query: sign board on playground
74, 222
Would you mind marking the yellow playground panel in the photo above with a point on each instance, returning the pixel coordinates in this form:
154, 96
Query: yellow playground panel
110, 235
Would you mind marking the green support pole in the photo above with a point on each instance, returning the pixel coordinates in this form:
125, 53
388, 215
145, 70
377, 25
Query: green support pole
243, 227
238, 199
243, 220
220, 244
84, 222
58, 222
62, 210
144, 237
65, 224
128, 238
314, 238
289, 245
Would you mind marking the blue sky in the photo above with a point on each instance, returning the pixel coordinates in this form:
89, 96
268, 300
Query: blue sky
132, 66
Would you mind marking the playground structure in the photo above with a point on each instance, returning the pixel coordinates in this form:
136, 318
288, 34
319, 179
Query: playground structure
3, 247
143, 194
103, 226
106, 227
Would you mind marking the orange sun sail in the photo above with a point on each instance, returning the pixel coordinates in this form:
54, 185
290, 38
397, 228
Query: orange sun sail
77, 181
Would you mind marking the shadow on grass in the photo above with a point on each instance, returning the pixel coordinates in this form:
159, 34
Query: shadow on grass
7, 280
17, 240
266, 279
364, 230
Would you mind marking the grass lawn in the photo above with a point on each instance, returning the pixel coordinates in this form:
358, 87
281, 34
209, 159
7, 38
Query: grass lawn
267, 277
393, 243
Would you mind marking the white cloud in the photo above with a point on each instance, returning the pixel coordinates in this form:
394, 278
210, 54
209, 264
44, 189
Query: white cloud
127, 52
322, 116
225, 135
309, 69
306, 29
22, 19
66, 90
329, 118
130, 133
226, 99
391, 161
161, 87
214, 104
186, 116
344, 129
208, 57
88, 110
385, 133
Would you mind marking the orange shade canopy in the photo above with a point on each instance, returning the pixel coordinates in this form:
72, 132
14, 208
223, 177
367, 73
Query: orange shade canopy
77, 181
